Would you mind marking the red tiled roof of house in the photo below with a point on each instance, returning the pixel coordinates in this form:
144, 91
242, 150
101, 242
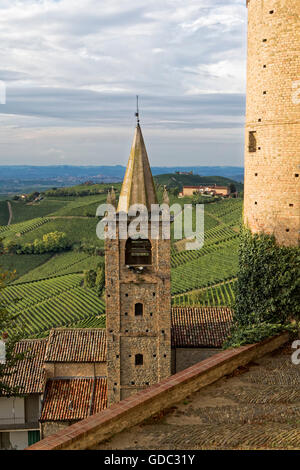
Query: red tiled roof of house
191, 327
28, 374
200, 327
69, 399
76, 345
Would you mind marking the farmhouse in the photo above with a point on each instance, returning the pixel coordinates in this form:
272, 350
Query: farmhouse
212, 189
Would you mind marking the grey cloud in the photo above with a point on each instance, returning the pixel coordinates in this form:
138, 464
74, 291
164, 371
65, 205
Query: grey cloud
89, 107
83, 62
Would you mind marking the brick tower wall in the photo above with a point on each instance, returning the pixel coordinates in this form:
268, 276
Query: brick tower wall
272, 150
127, 334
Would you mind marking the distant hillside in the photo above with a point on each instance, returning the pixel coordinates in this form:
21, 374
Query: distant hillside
26, 179
172, 180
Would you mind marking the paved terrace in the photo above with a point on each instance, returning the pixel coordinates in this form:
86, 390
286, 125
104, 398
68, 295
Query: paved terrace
256, 407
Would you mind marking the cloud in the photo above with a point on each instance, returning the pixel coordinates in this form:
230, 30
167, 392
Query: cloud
80, 64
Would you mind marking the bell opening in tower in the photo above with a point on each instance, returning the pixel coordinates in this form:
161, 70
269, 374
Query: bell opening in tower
138, 252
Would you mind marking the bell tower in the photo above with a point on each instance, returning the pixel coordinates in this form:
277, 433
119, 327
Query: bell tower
138, 296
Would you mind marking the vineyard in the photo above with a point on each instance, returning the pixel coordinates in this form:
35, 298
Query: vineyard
64, 263
48, 289
24, 264
91, 322
76, 229
23, 212
182, 257
22, 227
214, 296
60, 301
82, 206
209, 269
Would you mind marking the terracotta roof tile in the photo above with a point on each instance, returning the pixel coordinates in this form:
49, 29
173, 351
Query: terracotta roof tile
191, 327
69, 399
200, 327
28, 373
76, 345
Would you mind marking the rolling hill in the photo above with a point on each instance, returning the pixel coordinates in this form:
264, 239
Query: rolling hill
48, 287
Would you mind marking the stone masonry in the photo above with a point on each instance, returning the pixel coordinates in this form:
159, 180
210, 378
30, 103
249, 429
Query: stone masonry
272, 150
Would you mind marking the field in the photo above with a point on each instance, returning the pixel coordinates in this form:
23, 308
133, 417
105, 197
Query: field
22, 212
215, 296
42, 305
206, 270
22, 264
77, 230
62, 263
47, 291
17, 230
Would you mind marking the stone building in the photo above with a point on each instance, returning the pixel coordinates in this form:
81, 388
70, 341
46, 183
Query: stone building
75, 377
138, 295
19, 415
272, 152
212, 189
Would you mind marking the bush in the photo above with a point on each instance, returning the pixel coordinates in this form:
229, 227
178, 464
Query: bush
268, 284
267, 290
250, 334
51, 242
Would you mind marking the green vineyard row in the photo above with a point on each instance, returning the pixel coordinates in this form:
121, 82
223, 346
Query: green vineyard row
215, 296
23, 227
207, 270
42, 305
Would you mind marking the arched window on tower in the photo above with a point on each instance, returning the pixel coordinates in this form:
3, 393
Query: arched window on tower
138, 309
138, 252
139, 360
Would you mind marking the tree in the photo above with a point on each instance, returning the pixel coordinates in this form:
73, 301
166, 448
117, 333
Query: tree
100, 280
232, 188
89, 278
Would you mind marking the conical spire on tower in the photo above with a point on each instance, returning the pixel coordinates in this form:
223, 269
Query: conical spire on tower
138, 185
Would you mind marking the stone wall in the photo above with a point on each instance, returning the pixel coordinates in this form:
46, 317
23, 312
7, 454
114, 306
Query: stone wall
272, 150
187, 357
75, 369
47, 429
89, 432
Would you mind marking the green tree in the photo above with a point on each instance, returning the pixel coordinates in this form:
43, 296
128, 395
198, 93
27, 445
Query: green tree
89, 278
232, 188
100, 280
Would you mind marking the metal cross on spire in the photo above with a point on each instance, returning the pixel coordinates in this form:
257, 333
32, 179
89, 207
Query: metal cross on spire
137, 114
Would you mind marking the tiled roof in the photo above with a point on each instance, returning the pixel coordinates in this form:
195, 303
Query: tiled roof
200, 327
75, 398
191, 327
28, 373
76, 345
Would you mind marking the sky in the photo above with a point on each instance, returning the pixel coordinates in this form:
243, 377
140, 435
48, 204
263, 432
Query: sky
72, 69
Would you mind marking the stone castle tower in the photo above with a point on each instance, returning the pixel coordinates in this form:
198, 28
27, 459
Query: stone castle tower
138, 297
272, 153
